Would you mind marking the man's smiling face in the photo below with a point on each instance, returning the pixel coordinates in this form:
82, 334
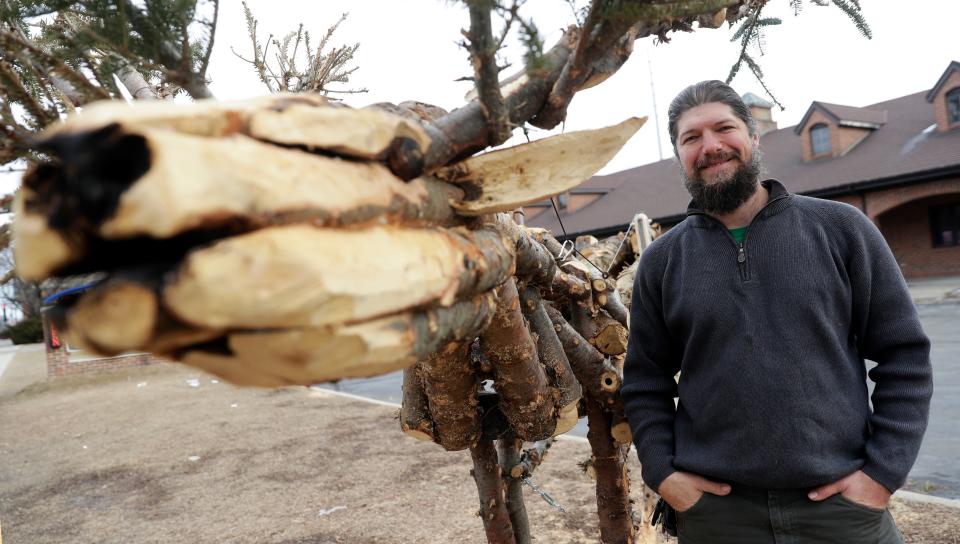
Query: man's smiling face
713, 143
719, 157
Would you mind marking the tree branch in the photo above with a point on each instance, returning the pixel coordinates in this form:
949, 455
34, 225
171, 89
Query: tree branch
483, 52
213, 27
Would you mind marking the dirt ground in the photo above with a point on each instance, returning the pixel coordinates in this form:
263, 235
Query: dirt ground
149, 456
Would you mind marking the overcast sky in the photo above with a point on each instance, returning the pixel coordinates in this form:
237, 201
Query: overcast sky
409, 51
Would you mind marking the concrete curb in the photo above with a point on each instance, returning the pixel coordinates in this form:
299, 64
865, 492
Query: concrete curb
912, 496
317, 389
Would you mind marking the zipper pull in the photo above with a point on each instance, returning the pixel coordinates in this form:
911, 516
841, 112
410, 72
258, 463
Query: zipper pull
741, 255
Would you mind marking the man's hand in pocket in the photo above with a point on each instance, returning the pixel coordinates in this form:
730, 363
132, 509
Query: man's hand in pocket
682, 490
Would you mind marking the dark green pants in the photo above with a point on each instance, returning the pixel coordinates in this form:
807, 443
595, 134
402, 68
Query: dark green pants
760, 516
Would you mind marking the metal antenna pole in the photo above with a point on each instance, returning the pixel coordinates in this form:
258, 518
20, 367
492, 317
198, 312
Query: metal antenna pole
653, 95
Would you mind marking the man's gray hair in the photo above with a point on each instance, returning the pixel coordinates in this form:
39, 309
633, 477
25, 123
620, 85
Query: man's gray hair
702, 93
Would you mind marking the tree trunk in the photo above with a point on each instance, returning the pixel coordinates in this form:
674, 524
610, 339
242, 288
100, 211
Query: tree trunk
508, 450
493, 502
525, 397
613, 480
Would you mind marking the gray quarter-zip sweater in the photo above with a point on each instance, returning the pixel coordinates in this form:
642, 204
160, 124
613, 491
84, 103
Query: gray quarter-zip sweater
770, 338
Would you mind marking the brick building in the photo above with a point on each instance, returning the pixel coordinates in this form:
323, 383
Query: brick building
64, 359
898, 161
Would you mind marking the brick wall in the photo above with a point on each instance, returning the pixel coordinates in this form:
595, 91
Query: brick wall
59, 362
879, 202
907, 230
940, 102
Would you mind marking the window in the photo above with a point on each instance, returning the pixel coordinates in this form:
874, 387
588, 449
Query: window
953, 106
820, 140
945, 225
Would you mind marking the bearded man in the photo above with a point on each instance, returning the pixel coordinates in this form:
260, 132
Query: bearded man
767, 304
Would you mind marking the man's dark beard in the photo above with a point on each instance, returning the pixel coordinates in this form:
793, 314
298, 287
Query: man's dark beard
725, 195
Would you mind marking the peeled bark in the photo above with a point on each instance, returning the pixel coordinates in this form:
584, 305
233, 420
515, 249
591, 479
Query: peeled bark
415, 411
531, 172
600, 380
508, 454
306, 356
493, 501
166, 183
295, 276
525, 397
613, 480
135, 83
307, 120
451, 386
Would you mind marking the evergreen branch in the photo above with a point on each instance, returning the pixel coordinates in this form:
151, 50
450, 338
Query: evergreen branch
755, 68
745, 41
504, 12
19, 92
853, 11
58, 65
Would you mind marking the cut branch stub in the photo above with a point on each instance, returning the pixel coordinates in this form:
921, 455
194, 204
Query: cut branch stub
124, 314
451, 386
601, 330
525, 396
599, 378
531, 458
505, 179
298, 275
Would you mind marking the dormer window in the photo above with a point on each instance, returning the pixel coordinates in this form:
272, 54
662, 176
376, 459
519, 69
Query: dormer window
820, 140
953, 106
